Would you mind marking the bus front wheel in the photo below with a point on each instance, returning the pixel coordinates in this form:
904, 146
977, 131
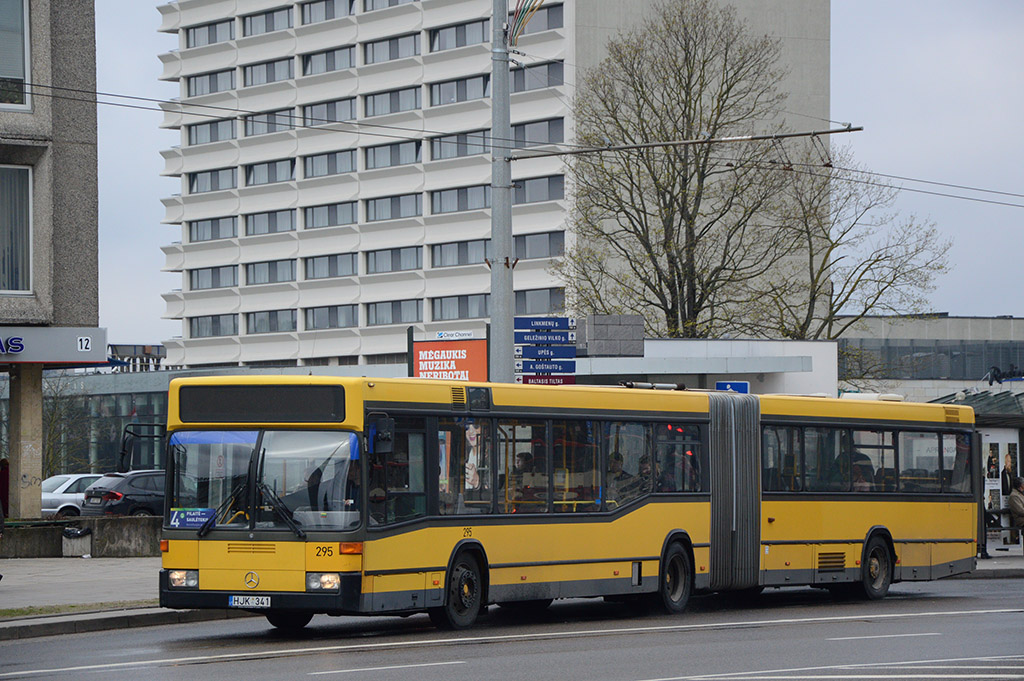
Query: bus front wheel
289, 621
676, 579
876, 572
464, 596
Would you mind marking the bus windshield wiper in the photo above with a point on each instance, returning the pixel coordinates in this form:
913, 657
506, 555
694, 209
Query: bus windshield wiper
281, 509
208, 525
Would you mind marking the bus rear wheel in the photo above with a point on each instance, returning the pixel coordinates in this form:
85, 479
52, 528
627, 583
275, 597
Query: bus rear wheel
289, 621
464, 596
876, 572
676, 583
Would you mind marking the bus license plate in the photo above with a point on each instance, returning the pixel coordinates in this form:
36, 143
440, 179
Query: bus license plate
249, 601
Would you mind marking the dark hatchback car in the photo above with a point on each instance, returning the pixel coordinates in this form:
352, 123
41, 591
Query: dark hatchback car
131, 493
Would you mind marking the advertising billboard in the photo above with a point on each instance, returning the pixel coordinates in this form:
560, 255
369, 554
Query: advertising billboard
452, 360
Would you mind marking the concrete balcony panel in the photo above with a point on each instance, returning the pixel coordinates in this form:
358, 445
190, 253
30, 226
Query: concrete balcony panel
327, 241
390, 21
261, 247
456, 62
391, 233
378, 288
324, 292
329, 343
460, 280
325, 87
268, 297
174, 209
171, 62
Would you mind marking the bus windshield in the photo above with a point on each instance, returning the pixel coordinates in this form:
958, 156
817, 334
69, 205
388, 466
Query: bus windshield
304, 479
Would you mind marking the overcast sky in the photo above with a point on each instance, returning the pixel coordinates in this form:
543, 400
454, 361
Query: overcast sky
937, 85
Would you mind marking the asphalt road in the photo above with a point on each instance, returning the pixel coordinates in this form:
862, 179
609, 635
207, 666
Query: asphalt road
950, 629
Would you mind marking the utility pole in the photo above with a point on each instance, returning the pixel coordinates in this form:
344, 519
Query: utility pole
502, 298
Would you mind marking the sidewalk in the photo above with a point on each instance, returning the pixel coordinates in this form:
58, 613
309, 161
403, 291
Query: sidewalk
122, 592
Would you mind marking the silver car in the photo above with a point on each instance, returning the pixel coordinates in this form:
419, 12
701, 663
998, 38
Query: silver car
65, 494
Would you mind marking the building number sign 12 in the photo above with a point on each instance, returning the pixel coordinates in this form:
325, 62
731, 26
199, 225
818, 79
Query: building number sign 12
84, 343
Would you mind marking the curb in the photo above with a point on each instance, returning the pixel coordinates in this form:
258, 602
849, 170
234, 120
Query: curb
106, 620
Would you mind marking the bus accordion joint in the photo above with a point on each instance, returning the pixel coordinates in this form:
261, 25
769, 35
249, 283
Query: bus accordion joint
652, 386
351, 548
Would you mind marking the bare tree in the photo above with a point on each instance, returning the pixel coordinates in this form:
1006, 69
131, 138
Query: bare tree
854, 256
678, 234
66, 425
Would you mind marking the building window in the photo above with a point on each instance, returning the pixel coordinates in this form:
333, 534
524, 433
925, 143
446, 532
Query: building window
407, 99
270, 272
394, 312
15, 228
329, 266
332, 317
331, 60
450, 37
214, 131
206, 83
325, 113
394, 260
537, 76
212, 180
398, 47
213, 325
544, 19
214, 228
460, 90
270, 172
540, 301
538, 189
209, 34
535, 133
330, 164
460, 307
213, 277
13, 52
392, 207
370, 5
396, 154
265, 22
462, 198
325, 10
269, 72
331, 215
266, 123
460, 253
545, 245
271, 321
459, 144
270, 223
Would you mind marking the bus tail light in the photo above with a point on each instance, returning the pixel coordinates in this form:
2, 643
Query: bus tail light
165, 546
352, 548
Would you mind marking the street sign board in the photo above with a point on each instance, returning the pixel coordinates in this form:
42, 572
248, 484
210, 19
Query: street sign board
545, 380
545, 351
549, 337
734, 386
549, 323
546, 366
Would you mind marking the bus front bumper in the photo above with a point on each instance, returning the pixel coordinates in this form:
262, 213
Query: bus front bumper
348, 598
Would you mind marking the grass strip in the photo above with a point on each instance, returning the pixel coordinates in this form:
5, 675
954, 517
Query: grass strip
47, 610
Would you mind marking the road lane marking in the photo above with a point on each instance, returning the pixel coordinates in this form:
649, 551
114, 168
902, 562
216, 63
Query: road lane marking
863, 638
809, 677
738, 676
394, 666
506, 638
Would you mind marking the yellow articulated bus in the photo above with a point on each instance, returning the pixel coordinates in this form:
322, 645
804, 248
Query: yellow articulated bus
292, 496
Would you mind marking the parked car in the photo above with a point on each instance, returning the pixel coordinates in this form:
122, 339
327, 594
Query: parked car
65, 494
131, 493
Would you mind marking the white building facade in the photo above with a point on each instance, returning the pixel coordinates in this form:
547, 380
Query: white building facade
335, 172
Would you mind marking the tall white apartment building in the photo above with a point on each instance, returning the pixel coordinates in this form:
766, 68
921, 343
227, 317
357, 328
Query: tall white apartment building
335, 175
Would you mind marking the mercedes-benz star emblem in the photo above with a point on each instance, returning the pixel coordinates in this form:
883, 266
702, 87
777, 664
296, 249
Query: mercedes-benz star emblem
252, 580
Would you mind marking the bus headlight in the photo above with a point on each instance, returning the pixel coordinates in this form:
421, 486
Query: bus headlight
323, 581
183, 579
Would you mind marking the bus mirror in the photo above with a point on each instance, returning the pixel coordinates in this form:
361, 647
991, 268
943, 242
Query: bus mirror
384, 435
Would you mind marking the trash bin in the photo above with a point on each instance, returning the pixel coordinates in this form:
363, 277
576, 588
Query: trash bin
76, 542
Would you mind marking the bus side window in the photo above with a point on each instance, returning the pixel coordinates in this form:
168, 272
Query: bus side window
465, 483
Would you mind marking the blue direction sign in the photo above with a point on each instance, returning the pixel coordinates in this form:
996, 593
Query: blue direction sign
546, 366
734, 386
190, 517
549, 323
550, 337
545, 351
